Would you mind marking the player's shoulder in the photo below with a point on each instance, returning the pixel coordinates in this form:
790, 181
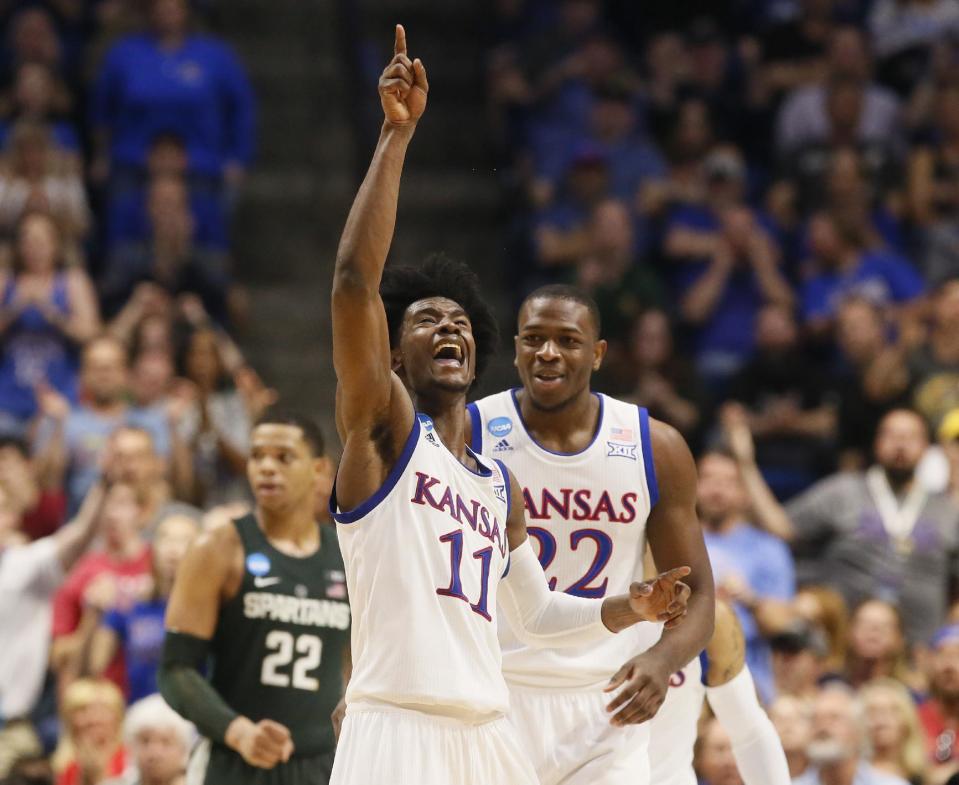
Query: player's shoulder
671, 455
217, 546
490, 419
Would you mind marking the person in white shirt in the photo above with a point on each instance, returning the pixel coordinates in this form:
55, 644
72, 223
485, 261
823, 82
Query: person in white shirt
29, 576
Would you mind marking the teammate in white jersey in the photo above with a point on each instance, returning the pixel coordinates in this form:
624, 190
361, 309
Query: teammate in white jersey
598, 477
433, 536
719, 675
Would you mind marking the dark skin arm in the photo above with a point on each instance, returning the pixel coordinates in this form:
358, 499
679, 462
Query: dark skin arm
374, 413
210, 574
675, 539
662, 599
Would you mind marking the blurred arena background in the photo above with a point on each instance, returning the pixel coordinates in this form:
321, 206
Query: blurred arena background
762, 196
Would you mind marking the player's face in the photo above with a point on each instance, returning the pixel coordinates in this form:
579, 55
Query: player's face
557, 350
282, 469
437, 350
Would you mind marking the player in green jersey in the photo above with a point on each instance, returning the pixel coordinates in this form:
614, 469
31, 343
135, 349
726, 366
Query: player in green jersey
264, 600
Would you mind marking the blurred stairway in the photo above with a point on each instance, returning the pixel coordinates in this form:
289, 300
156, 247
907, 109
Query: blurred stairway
309, 157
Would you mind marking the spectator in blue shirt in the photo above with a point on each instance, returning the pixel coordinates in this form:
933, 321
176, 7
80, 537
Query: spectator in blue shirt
752, 569
127, 219
614, 130
138, 632
843, 267
722, 295
169, 256
46, 311
172, 80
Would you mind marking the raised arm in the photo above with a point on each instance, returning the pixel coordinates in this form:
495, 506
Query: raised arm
370, 395
675, 539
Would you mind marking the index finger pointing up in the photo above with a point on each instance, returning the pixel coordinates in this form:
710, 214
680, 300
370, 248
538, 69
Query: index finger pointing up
399, 47
675, 574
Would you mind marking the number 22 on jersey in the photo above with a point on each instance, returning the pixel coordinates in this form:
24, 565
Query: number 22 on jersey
309, 649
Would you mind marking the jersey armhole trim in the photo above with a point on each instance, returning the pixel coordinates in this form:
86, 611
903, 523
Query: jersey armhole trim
704, 667
507, 484
476, 428
366, 507
648, 463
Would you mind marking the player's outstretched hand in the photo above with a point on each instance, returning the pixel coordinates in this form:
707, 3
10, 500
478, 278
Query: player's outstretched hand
403, 85
262, 744
642, 683
663, 599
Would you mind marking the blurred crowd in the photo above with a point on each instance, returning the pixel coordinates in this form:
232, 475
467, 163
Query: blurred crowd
126, 130
763, 197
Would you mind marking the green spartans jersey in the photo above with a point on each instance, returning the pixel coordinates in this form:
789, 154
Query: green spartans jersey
277, 650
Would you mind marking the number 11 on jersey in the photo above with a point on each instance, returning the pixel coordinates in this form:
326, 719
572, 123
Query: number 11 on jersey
455, 589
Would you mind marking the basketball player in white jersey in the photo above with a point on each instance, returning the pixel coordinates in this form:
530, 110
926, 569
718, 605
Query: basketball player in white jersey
433, 536
721, 676
599, 478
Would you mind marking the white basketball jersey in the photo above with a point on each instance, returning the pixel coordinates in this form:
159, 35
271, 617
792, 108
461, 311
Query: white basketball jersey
587, 514
423, 557
674, 728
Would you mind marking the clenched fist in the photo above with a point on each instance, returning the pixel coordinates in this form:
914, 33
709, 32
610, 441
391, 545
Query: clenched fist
403, 86
262, 744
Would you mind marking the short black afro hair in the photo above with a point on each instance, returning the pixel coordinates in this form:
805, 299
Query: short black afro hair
561, 291
440, 276
312, 435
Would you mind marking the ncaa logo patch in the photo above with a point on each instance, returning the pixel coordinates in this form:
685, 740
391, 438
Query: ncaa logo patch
257, 564
500, 426
621, 451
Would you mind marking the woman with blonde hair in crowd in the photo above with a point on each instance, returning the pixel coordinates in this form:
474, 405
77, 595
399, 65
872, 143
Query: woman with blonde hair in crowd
877, 644
91, 744
826, 609
895, 736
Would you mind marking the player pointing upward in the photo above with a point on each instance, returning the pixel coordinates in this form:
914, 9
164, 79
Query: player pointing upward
433, 536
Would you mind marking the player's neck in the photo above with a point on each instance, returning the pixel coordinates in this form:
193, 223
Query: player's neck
294, 532
569, 428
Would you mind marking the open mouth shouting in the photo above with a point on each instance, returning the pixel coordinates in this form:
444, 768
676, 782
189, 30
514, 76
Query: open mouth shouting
449, 353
